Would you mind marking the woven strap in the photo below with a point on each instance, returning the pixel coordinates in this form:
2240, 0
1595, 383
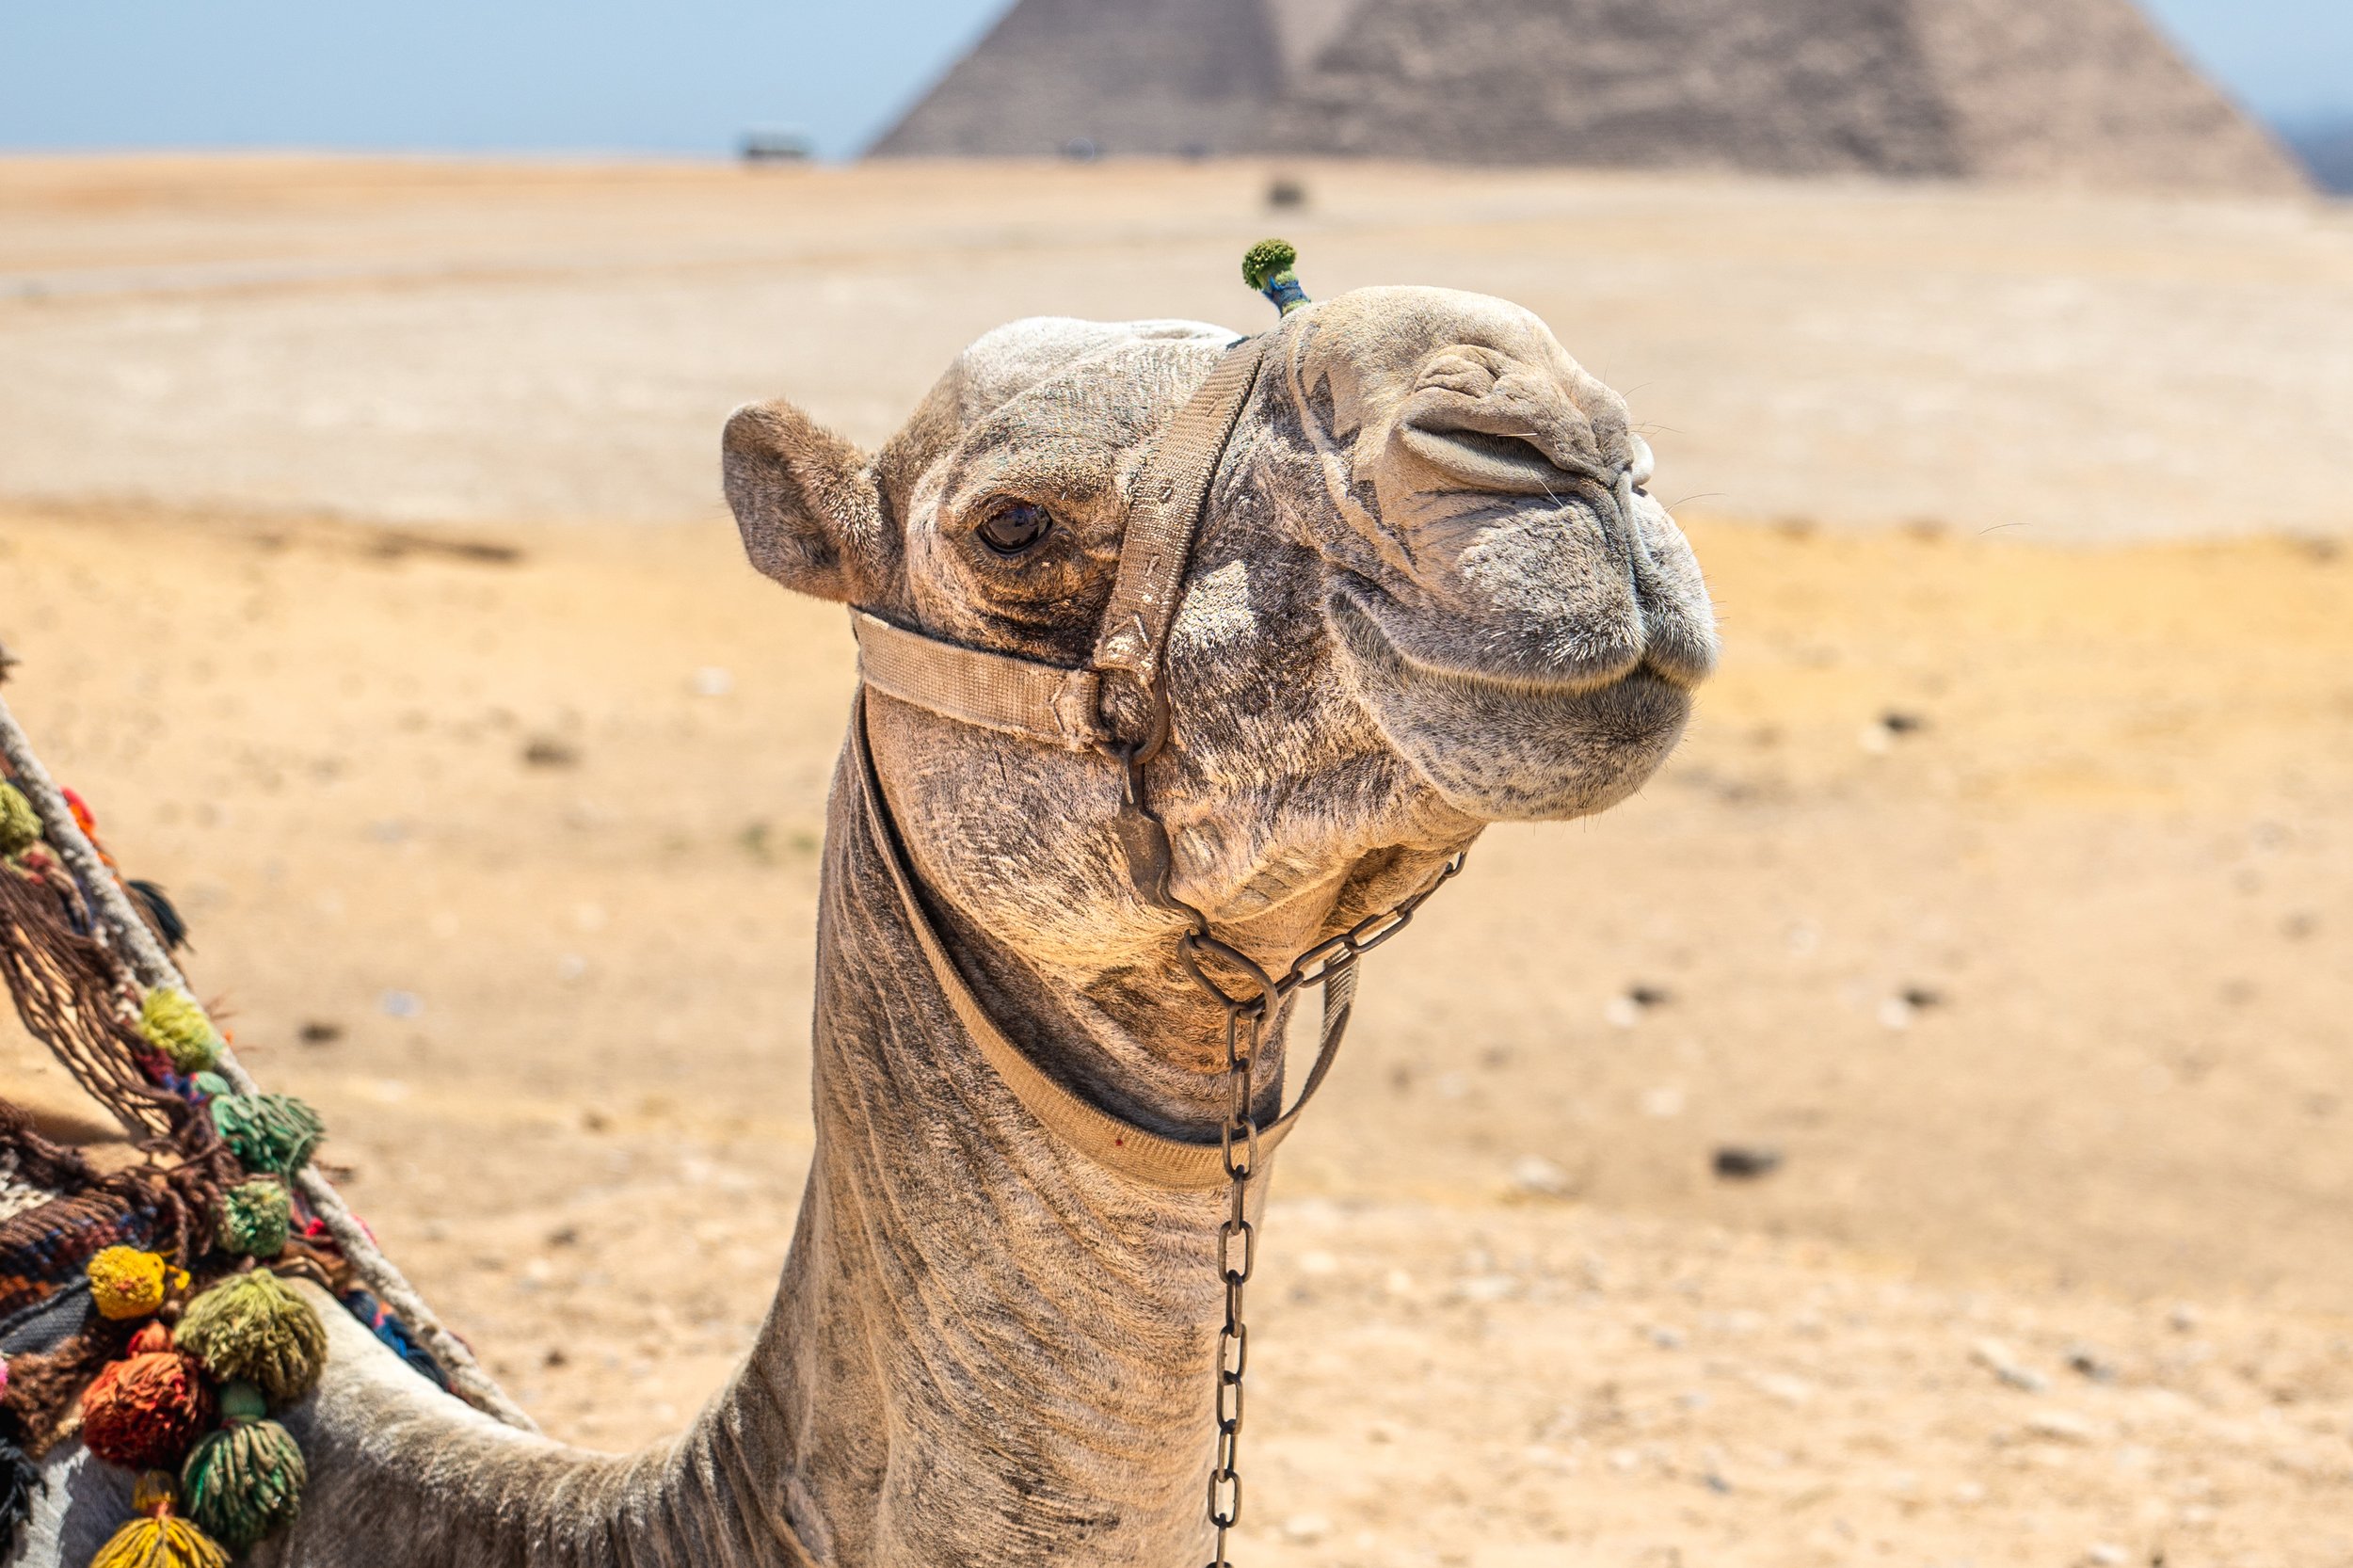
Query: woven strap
1166, 513
996, 691
1102, 1137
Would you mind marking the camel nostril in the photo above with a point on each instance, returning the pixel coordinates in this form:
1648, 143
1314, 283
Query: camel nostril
1523, 435
1503, 462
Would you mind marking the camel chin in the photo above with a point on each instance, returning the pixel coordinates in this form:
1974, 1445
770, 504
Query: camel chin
1507, 747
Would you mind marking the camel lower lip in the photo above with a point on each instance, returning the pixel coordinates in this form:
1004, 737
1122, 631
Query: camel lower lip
1505, 748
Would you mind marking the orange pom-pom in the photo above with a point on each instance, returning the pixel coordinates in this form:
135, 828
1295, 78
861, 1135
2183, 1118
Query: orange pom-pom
145, 1413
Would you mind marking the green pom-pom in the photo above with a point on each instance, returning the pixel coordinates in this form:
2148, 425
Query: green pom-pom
246, 1480
255, 1217
20, 824
175, 1025
250, 1326
1266, 261
272, 1134
1267, 267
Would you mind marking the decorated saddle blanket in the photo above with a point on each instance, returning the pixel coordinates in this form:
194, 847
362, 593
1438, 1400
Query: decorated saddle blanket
143, 1308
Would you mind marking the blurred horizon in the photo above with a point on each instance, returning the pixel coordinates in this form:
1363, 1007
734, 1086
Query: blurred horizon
610, 76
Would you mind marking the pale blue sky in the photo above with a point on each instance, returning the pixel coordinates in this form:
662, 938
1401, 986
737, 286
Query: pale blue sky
674, 76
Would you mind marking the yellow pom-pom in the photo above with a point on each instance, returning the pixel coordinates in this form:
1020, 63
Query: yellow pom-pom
20, 824
159, 1539
175, 1025
127, 1283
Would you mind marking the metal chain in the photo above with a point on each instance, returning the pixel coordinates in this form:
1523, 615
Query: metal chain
1239, 1135
1249, 1013
1246, 1021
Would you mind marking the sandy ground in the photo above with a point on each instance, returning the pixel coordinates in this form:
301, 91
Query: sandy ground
506, 858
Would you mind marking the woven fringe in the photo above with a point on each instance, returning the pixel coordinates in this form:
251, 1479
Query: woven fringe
60, 977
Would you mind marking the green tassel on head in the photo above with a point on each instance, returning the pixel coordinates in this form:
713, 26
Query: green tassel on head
251, 1327
272, 1134
246, 1480
20, 824
255, 1218
1267, 267
175, 1025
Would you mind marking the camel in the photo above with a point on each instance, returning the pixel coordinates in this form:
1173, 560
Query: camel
1427, 593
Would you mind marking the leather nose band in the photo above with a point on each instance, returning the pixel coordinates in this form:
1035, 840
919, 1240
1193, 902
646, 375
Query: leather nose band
996, 691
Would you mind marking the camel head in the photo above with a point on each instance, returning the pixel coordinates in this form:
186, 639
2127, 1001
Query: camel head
1411, 610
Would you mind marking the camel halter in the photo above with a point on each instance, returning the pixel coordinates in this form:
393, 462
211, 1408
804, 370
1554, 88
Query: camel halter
1057, 705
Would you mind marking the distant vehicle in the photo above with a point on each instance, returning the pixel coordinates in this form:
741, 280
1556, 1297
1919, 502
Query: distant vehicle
777, 144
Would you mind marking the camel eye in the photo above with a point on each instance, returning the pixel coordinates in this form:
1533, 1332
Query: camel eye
1014, 527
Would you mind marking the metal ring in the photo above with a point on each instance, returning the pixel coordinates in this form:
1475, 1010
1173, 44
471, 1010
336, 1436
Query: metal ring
1132, 754
1193, 943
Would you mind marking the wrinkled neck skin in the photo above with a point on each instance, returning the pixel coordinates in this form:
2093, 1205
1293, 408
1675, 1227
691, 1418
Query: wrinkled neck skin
994, 1352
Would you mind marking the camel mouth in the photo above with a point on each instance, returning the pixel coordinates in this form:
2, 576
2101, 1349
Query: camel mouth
1508, 745
1361, 614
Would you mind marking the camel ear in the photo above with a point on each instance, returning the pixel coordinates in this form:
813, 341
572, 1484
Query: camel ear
805, 504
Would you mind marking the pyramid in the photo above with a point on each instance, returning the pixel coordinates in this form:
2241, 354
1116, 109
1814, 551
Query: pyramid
1164, 77
2073, 91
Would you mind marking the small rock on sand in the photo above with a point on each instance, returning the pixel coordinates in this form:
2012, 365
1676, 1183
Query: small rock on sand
1995, 1357
2061, 1426
1746, 1162
1534, 1177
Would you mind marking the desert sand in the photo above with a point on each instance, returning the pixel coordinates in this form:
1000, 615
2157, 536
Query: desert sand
359, 536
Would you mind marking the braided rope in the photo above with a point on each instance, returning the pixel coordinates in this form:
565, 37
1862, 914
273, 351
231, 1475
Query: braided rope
154, 969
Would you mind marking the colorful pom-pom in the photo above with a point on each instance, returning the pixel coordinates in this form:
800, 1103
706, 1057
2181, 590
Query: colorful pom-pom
270, 1134
158, 1538
175, 1025
20, 824
127, 1283
245, 1481
254, 1218
1267, 267
251, 1327
20, 1483
144, 1411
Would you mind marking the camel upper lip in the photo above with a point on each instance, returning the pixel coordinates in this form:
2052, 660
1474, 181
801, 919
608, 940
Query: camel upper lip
1355, 609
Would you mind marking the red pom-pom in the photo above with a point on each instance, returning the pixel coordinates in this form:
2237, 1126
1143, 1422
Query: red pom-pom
145, 1413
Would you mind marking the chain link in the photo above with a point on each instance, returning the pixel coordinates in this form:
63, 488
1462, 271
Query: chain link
1247, 1019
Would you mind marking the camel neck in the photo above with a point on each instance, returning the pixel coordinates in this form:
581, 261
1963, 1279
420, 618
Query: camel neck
988, 1345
